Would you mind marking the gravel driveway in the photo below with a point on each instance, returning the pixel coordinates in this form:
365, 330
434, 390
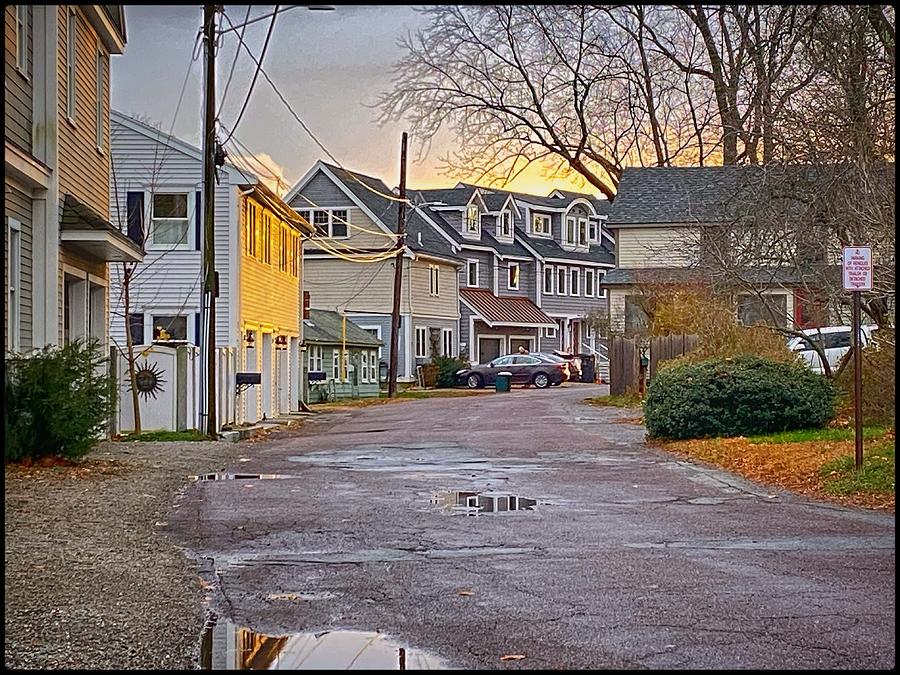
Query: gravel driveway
89, 580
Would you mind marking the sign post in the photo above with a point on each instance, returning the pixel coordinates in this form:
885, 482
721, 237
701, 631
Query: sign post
857, 273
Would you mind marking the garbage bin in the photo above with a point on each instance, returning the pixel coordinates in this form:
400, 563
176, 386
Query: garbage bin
588, 369
503, 381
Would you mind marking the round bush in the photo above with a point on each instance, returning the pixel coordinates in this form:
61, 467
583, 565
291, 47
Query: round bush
742, 396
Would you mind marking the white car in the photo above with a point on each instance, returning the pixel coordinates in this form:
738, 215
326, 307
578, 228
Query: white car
835, 341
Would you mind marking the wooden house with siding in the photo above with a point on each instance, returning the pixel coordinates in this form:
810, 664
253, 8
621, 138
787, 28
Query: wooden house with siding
355, 217
58, 237
156, 200
344, 354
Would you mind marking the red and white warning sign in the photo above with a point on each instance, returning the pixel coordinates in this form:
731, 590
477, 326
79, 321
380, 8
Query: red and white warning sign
857, 268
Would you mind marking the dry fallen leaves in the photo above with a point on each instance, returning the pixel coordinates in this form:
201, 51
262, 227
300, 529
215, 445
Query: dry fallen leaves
512, 657
466, 593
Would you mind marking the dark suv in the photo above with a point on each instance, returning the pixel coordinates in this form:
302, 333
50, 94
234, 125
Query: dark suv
525, 369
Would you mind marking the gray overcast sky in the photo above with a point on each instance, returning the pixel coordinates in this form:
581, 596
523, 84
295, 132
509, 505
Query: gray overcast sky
328, 65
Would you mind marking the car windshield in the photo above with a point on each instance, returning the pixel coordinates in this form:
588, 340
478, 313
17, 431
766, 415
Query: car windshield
552, 358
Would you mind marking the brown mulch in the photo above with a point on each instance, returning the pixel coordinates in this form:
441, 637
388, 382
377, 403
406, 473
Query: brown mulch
793, 466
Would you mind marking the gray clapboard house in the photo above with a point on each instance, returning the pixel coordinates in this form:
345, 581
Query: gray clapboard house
534, 267
355, 217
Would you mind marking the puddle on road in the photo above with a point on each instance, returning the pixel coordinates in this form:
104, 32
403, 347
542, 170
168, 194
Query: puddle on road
477, 503
226, 646
209, 477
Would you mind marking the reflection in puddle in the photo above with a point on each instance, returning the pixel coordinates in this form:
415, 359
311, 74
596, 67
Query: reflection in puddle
475, 503
229, 647
207, 477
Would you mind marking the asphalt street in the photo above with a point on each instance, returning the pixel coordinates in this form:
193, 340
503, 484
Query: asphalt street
627, 557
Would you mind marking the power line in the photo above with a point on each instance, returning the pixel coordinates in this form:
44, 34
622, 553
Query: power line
355, 255
256, 74
272, 174
237, 52
306, 128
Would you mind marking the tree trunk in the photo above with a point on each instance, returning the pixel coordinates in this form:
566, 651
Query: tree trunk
129, 345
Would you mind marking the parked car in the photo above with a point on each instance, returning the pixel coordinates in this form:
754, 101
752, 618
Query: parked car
525, 369
553, 358
835, 341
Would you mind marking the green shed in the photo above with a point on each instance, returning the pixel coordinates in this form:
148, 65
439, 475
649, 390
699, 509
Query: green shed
326, 335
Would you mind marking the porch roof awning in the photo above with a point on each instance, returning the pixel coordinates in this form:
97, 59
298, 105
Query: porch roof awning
86, 231
504, 310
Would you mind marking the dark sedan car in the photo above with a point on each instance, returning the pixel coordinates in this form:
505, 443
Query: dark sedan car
525, 369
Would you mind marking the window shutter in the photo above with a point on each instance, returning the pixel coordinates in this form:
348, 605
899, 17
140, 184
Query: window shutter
136, 326
135, 215
198, 220
197, 329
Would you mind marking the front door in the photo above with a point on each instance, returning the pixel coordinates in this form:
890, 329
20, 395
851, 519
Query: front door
488, 348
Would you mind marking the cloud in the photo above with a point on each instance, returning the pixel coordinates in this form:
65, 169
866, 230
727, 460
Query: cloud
261, 164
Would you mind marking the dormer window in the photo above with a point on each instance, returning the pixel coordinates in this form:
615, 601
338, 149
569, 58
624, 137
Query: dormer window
593, 231
571, 229
504, 225
540, 224
582, 232
473, 219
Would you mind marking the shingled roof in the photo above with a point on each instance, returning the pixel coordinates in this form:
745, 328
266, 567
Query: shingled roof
325, 327
386, 210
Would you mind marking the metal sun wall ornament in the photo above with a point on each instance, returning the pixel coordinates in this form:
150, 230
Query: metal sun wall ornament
148, 379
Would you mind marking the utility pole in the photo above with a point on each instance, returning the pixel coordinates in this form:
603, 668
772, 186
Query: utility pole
398, 272
209, 191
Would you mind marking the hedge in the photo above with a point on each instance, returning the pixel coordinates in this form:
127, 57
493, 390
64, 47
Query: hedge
739, 396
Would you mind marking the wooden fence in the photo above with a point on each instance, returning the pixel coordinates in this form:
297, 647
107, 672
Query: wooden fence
625, 373
624, 366
669, 347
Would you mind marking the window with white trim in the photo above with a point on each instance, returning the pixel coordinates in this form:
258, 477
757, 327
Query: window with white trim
98, 108
574, 279
447, 341
250, 228
562, 280
434, 280
22, 33
540, 224
364, 366
14, 283
571, 226
169, 328
548, 280
314, 358
589, 283
332, 223
512, 281
336, 364
473, 219
593, 230
375, 332
582, 232
549, 332
169, 219
71, 36
504, 224
601, 290
472, 273
421, 342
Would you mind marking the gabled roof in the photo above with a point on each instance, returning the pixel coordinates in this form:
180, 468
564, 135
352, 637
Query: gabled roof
706, 194
550, 248
325, 327
176, 143
674, 275
377, 198
504, 310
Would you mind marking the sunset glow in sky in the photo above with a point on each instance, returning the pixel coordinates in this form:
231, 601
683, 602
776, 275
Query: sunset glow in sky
330, 66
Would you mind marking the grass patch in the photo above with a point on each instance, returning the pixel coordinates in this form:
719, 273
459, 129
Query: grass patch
405, 395
876, 476
439, 393
623, 401
147, 436
813, 463
806, 435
